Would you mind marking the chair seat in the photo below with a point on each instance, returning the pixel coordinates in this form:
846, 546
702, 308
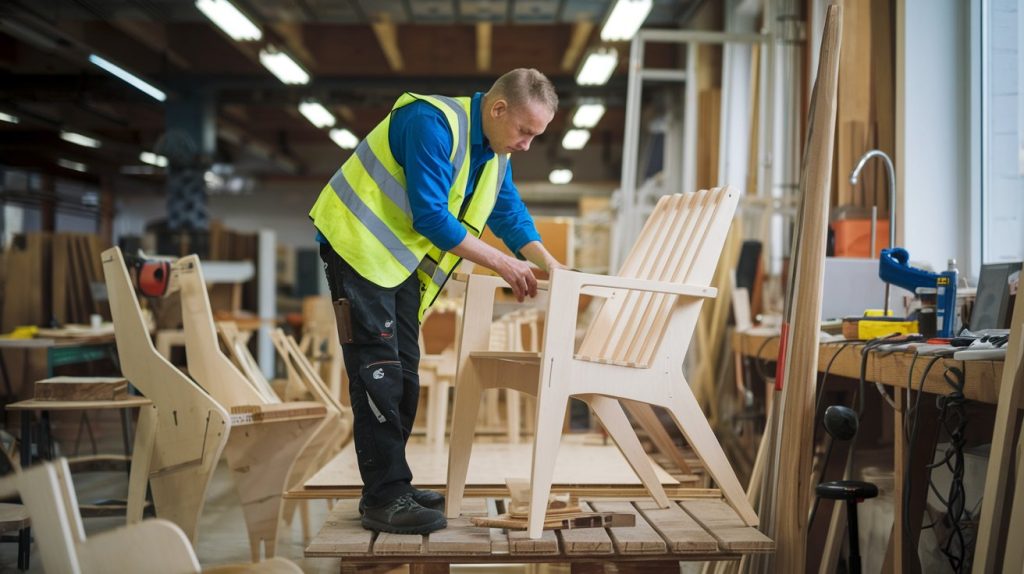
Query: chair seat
13, 517
846, 490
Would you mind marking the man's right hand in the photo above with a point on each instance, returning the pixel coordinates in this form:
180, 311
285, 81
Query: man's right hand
519, 275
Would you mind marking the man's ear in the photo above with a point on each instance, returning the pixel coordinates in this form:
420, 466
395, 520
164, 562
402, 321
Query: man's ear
499, 108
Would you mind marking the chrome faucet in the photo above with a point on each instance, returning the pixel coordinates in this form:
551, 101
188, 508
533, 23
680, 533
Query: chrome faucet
890, 175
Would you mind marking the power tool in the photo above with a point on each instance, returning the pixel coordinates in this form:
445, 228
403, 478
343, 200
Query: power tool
151, 275
894, 269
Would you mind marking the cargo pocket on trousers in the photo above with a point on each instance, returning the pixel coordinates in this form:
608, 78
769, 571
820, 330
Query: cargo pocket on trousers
381, 379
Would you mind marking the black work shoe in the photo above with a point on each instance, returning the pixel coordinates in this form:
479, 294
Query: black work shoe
428, 499
403, 516
425, 498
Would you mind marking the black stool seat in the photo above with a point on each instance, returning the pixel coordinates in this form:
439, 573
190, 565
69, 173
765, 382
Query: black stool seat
846, 490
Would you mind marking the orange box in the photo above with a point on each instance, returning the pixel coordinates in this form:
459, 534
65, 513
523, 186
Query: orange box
853, 237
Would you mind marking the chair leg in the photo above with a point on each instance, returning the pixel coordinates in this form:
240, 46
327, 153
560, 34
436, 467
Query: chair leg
513, 403
610, 412
550, 415
464, 415
691, 421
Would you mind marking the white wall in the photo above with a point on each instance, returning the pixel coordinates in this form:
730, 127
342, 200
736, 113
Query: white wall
932, 131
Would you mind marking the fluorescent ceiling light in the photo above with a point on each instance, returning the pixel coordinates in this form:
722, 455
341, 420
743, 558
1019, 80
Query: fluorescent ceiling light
560, 176
575, 139
128, 77
8, 118
598, 67
283, 66
344, 138
73, 165
230, 19
79, 139
317, 114
153, 159
625, 19
588, 114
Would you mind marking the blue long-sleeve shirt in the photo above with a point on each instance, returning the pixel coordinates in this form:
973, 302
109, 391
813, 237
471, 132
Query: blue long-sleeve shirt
421, 141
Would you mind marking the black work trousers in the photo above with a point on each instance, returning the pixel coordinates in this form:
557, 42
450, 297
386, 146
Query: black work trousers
382, 362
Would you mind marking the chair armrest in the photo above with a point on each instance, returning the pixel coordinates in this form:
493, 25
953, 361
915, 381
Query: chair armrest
542, 284
585, 280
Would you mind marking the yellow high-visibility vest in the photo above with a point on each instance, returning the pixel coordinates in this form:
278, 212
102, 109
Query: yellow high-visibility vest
364, 210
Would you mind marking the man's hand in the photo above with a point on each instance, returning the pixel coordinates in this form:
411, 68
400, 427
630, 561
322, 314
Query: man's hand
519, 275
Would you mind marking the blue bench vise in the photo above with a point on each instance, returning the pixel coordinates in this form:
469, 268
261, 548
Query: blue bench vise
894, 269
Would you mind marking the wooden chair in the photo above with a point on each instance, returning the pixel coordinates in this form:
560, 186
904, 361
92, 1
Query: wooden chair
156, 546
633, 351
234, 344
189, 428
438, 335
270, 436
321, 345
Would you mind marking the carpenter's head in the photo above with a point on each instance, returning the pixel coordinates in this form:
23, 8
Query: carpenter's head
517, 108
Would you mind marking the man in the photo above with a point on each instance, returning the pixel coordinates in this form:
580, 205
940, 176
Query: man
393, 223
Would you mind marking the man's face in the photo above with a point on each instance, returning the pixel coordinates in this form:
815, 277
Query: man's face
512, 129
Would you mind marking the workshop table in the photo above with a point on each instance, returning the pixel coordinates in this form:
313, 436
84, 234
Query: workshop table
59, 352
981, 380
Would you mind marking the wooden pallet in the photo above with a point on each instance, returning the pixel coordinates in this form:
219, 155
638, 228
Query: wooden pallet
692, 529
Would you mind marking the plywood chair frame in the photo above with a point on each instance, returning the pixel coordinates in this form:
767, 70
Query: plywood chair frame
437, 373
188, 428
157, 545
235, 346
640, 335
266, 438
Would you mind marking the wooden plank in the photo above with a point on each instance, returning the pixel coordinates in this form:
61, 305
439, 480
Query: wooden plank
994, 508
803, 319
640, 539
460, 538
678, 528
388, 544
81, 389
586, 540
342, 533
499, 541
519, 541
722, 522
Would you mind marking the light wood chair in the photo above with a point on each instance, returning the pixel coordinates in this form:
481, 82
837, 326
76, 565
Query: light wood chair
633, 351
235, 346
320, 343
157, 546
438, 335
189, 428
265, 438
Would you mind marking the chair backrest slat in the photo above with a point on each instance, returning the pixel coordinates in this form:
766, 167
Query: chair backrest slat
670, 257
594, 342
680, 243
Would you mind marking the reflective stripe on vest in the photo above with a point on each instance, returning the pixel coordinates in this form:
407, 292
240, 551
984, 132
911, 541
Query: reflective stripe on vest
364, 210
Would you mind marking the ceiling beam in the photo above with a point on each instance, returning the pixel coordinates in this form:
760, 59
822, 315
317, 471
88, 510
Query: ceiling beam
387, 35
152, 35
483, 46
580, 36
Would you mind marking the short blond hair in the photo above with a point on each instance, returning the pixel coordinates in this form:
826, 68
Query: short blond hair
525, 85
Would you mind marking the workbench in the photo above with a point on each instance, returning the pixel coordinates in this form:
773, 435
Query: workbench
697, 529
59, 352
893, 369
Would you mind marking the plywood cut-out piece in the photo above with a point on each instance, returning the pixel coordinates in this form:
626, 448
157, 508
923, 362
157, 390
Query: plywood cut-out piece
722, 522
791, 486
81, 389
633, 350
261, 455
641, 538
156, 545
189, 428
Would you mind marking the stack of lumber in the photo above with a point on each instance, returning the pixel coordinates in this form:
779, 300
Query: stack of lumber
49, 277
